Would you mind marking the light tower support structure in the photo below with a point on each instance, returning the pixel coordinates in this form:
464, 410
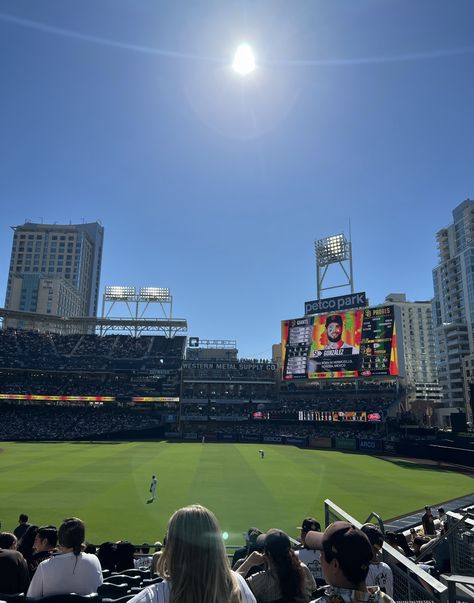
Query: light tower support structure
137, 303
335, 249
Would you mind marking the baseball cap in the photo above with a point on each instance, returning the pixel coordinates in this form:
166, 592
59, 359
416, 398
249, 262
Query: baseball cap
334, 318
308, 524
343, 541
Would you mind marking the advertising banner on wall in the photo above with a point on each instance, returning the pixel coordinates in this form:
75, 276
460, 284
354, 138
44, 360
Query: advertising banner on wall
345, 443
250, 438
297, 441
227, 437
389, 446
370, 445
320, 442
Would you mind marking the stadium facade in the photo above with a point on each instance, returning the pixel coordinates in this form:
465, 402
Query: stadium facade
54, 269
453, 307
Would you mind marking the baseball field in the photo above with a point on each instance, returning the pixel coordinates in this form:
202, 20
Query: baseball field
107, 485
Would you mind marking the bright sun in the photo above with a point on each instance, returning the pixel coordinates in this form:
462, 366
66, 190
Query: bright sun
244, 60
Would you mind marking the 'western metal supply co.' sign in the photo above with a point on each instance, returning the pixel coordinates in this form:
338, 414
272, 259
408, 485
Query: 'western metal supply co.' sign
336, 304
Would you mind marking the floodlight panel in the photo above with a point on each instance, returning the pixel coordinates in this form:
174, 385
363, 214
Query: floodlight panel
119, 292
155, 293
331, 249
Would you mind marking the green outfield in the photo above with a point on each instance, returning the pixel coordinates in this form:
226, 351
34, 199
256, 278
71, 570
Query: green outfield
106, 485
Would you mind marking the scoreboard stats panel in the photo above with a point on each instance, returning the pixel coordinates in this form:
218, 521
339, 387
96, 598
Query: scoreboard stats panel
355, 343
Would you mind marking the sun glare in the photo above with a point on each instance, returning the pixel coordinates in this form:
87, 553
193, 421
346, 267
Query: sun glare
244, 60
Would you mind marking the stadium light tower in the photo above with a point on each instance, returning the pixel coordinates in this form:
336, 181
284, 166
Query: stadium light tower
137, 302
335, 249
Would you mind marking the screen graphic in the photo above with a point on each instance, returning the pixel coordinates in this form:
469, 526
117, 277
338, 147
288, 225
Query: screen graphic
340, 345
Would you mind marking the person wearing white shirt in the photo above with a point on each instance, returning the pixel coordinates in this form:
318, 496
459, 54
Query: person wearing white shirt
72, 571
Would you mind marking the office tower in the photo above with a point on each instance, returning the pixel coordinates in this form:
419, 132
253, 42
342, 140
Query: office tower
416, 331
55, 269
453, 305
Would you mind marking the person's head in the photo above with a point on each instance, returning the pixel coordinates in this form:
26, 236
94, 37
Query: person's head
23, 518
194, 558
251, 537
375, 537
345, 554
125, 555
334, 327
107, 555
26, 542
282, 559
7, 540
441, 512
309, 524
46, 539
428, 510
71, 535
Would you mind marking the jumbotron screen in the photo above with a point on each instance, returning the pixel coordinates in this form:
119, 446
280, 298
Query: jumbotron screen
354, 343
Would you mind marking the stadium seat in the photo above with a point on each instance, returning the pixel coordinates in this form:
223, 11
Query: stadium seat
130, 580
135, 571
66, 598
123, 599
15, 598
112, 591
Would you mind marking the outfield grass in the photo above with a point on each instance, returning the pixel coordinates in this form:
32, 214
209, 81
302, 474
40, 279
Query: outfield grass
106, 485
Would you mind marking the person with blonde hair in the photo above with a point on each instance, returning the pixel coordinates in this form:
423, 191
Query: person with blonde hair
194, 565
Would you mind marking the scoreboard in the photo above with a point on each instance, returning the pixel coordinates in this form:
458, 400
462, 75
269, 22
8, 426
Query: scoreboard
354, 343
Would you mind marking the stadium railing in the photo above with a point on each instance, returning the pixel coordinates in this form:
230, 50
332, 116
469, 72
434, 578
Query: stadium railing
460, 529
410, 582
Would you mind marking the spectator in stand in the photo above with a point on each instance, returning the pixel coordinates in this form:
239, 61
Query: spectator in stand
380, 573
44, 546
427, 521
22, 527
107, 555
71, 572
194, 564
26, 543
285, 577
310, 557
345, 558
443, 520
14, 575
156, 557
250, 545
124, 556
8, 541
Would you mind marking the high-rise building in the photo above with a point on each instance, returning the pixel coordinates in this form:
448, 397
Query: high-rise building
55, 269
416, 332
453, 305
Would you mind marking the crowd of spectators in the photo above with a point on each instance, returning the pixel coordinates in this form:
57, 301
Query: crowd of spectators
35, 350
59, 423
46, 561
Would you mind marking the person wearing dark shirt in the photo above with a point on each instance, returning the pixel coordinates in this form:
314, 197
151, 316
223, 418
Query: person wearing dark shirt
14, 575
22, 527
427, 521
45, 543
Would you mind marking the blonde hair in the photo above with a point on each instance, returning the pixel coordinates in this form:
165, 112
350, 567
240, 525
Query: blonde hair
194, 559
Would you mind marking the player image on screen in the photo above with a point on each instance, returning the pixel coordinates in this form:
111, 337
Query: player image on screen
334, 328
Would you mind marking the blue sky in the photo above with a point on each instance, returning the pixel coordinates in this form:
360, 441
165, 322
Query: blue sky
216, 185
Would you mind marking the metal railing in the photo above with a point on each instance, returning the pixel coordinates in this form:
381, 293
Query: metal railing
410, 582
460, 534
